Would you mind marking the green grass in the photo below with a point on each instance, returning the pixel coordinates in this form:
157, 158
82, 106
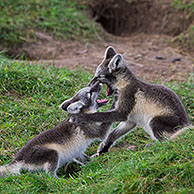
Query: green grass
182, 5
20, 19
186, 39
30, 96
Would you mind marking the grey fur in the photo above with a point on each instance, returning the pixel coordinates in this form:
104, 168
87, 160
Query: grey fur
66, 142
154, 107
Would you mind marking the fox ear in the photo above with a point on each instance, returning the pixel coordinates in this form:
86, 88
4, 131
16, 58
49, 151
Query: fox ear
116, 63
109, 53
66, 103
75, 107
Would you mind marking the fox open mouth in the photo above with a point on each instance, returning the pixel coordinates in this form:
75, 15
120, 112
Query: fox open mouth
109, 90
102, 102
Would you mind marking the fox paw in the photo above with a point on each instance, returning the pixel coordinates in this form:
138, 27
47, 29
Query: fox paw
95, 155
104, 147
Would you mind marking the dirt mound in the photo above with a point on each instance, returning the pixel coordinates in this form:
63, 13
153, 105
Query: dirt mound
123, 17
43, 47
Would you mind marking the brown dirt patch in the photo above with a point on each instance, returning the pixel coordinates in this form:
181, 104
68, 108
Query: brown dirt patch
140, 52
44, 47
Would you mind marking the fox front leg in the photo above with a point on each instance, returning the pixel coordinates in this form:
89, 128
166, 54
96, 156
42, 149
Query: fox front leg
83, 159
108, 116
121, 130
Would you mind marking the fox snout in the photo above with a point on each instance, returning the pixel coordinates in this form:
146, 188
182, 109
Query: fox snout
93, 81
96, 87
100, 79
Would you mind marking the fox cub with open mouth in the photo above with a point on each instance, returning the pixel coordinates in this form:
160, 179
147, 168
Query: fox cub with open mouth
154, 107
66, 142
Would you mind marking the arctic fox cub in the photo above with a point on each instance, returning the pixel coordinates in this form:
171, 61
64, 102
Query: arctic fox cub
154, 107
66, 142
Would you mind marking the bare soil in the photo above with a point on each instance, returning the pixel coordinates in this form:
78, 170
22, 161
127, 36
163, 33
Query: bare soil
149, 55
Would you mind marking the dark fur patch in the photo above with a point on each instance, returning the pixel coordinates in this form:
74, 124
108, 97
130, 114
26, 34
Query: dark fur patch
106, 148
169, 124
37, 155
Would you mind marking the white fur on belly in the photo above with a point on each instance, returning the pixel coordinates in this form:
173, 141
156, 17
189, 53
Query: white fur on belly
73, 148
145, 110
143, 121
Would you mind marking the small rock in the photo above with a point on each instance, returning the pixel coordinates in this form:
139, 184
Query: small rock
138, 56
175, 60
159, 58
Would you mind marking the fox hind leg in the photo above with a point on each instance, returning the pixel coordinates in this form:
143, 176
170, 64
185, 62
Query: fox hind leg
39, 157
162, 125
51, 165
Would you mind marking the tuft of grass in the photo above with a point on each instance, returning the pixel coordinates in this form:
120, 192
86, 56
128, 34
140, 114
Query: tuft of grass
64, 19
183, 5
186, 39
29, 99
185, 91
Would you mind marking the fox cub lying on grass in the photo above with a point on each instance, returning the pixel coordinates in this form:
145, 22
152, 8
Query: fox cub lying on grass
66, 142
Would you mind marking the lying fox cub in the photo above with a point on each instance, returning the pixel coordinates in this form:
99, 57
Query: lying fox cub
67, 141
154, 107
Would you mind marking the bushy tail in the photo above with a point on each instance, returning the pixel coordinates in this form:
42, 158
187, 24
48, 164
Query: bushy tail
179, 132
12, 168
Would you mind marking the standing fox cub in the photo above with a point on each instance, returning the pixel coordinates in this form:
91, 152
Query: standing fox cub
66, 142
154, 107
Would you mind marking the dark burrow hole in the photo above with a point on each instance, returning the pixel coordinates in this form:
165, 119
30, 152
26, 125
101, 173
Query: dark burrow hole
113, 15
124, 17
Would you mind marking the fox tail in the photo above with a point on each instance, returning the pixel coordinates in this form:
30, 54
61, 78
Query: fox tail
12, 168
179, 132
